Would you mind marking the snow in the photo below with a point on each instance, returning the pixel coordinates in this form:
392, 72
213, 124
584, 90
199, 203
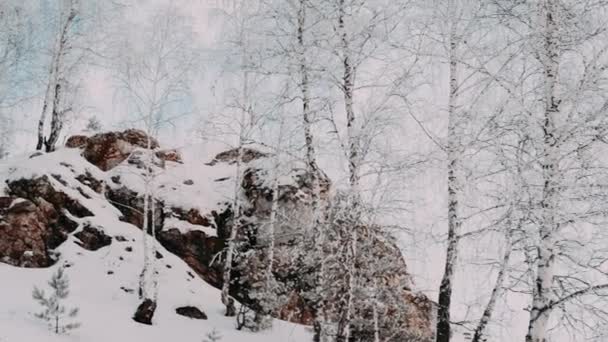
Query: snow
185, 227
104, 283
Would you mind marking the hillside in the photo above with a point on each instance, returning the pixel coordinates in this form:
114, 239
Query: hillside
76, 208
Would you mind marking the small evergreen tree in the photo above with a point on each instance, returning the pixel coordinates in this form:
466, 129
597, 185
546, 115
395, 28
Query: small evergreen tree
56, 314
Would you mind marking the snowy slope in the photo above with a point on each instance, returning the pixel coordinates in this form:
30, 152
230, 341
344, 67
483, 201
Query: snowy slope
104, 282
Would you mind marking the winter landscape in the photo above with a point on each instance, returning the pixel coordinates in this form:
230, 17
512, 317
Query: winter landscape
304, 170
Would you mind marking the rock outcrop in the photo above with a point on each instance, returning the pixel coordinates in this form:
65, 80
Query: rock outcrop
24, 232
35, 219
107, 150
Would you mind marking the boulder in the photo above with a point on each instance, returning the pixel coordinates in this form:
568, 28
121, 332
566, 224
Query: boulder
170, 156
92, 238
107, 150
191, 312
145, 312
77, 141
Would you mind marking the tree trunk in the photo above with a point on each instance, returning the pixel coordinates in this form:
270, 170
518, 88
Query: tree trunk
545, 269
225, 295
496, 292
305, 88
45, 106
53, 86
353, 168
312, 168
56, 121
453, 150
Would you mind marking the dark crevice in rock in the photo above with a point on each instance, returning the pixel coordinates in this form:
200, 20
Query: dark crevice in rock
92, 238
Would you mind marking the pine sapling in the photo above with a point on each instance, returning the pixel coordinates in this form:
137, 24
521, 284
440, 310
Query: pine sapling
55, 313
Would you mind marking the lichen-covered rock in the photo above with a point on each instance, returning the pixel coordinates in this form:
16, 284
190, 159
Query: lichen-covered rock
24, 232
77, 141
34, 222
107, 150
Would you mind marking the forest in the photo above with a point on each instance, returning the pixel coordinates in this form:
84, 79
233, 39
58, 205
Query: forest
398, 170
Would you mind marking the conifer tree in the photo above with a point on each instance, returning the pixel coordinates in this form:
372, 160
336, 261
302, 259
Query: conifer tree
55, 313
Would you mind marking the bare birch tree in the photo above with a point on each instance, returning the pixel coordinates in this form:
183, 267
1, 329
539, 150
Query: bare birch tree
56, 97
153, 77
565, 110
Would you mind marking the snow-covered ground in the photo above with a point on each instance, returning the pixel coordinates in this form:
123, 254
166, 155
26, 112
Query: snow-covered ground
104, 282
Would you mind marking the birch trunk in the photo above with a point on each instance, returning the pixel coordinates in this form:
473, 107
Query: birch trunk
305, 88
453, 149
348, 92
143, 276
52, 91
312, 168
496, 292
225, 295
56, 121
545, 267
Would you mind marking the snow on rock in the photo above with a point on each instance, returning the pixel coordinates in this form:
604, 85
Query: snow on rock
62, 194
81, 208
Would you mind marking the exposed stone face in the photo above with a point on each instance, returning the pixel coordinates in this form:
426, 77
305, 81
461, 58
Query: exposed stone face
192, 216
197, 249
77, 141
231, 156
24, 231
33, 223
41, 188
131, 205
170, 156
90, 181
107, 150
92, 238
191, 312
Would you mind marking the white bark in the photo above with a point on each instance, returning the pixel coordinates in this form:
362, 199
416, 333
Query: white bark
236, 204
53, 94
545, 265
453, 150
347, 85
